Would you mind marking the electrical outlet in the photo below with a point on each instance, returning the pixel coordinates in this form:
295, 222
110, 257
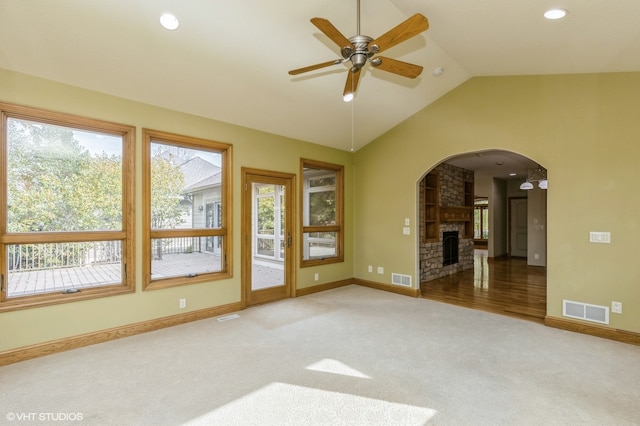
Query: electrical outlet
616, 307
182, 304
316, 276
370, 268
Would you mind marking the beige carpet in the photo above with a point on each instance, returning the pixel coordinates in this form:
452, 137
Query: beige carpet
349, 356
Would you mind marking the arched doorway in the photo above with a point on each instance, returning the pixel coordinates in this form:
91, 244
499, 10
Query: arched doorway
501, 240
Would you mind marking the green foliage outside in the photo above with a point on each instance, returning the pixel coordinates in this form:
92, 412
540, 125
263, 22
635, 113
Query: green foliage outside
166, 183
55, 184
266, 209
322, 208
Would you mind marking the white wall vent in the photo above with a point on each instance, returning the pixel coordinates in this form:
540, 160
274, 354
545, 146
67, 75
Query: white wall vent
403, 280
586, 312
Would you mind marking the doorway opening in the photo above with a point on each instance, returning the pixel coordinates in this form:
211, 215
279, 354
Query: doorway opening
268, 240
478, 197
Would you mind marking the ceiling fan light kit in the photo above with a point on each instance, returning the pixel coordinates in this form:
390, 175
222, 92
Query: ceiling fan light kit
361, 49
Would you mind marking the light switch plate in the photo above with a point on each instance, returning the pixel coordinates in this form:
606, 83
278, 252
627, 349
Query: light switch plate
600, 237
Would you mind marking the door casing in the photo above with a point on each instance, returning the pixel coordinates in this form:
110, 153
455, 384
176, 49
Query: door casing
288, 180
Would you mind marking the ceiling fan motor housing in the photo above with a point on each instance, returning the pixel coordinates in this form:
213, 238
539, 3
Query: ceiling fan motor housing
360, 54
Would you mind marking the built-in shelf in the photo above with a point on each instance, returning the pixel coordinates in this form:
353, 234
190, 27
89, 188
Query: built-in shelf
430, 207
434, 213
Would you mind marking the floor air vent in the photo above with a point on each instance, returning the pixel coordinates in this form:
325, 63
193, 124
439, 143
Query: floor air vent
404, 280
228, 317
585, 311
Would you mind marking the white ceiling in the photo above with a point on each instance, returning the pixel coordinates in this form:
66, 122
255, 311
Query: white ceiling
229, 59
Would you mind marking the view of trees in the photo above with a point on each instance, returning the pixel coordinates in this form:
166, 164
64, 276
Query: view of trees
54, 184
166, 183
322, 202
267, 208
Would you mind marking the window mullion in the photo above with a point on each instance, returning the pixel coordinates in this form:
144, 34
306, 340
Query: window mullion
62, 237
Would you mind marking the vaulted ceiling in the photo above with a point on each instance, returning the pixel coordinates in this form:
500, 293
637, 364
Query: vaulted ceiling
229, 60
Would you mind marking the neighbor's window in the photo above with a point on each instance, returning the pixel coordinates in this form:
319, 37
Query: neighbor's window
322, 213
187, 209
66, 224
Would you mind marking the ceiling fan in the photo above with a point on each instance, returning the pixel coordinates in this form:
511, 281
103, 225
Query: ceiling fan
361, 49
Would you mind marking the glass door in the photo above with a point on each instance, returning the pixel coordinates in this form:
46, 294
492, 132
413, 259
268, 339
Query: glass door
267, 242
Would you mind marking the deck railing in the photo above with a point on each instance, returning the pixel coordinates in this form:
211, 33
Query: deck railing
33, 257
164, 246
30, 257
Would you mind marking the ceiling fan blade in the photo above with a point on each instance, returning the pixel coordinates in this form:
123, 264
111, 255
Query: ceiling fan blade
351, 85
314, 67
404, 69
407, 29
332, 32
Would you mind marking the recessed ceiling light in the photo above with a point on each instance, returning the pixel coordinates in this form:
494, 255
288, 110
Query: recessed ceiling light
555, 13
513, 174
169, 21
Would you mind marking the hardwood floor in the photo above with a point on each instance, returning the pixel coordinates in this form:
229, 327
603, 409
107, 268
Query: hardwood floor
506, 286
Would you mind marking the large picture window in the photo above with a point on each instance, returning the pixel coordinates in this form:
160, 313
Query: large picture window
66, 222
187, 209
322, 213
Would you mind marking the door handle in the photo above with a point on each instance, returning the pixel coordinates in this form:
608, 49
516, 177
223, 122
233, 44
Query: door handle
289, 240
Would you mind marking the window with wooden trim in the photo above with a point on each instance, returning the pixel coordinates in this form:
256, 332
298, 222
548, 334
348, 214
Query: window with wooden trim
66, 212
187, 210
322, 213
481, 219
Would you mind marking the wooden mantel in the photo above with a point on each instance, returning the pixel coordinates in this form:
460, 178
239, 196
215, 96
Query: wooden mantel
456, 214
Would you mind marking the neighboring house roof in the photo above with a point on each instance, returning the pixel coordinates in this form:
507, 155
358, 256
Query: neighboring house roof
199, 173
210, 181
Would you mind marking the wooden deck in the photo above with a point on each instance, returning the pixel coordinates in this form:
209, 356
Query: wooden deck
53, 280
57, 280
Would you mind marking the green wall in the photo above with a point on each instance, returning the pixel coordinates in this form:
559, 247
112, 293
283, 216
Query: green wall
584, 129
251, 148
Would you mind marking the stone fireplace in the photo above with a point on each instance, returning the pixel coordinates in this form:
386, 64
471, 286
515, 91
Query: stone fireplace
438, 258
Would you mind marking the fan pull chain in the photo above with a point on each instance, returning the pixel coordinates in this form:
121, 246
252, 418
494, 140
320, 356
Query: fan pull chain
353, 117
353, 126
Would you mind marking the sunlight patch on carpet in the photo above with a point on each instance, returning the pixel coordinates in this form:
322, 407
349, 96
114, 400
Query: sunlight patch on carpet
287, 404
336, 367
